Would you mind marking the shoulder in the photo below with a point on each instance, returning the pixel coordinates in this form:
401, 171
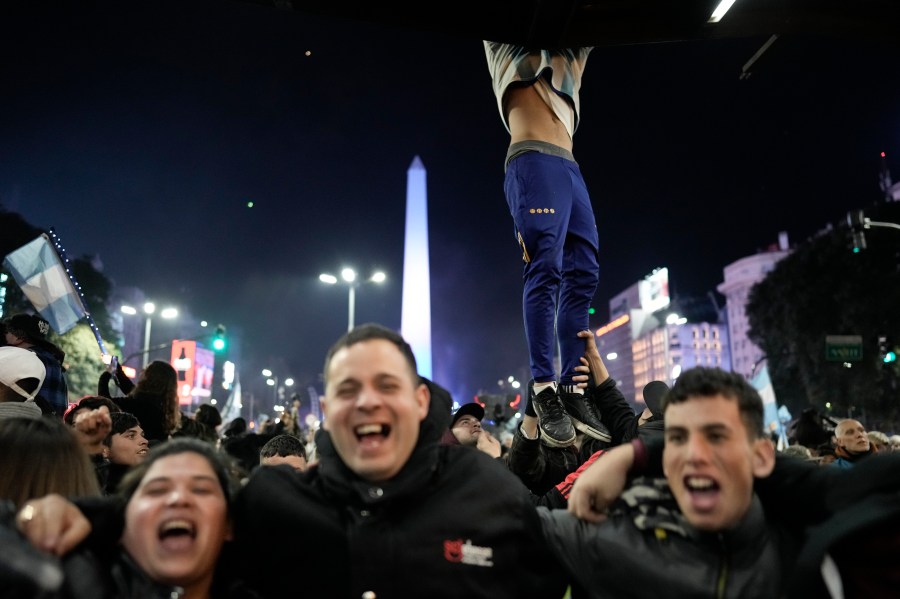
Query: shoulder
45, 356
137, 400
569, 534
268, 486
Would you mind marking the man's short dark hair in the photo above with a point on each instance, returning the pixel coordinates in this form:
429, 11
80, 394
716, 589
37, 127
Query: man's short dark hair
121, 422
704, 381
283, 445
89, 402
369, 332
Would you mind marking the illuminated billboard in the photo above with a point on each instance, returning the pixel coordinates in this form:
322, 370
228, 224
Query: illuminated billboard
653, 291
195, 366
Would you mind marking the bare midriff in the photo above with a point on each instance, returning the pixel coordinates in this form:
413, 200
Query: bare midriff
530, 118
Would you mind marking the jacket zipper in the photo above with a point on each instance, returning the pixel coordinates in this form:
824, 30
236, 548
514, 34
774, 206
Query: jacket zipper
722, 580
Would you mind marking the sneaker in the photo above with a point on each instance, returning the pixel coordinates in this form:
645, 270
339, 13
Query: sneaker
583, 415
555, 426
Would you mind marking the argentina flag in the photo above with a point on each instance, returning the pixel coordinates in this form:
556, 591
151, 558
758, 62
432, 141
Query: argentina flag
40, 273
775, 417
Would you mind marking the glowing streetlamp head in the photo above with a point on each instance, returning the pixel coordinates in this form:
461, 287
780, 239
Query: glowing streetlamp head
149, 308
348, 274
327, 278
379, 277
266, 372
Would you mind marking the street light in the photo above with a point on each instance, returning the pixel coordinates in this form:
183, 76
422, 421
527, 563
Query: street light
272, 381
349, 276
511, 382
149, 310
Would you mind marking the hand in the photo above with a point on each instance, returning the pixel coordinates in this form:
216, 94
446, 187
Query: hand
583, 381
488, 444
52, 524
92, 427
529, 427
601, 483
592, 355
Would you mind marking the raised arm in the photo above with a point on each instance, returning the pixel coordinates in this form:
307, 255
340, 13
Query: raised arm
610, 404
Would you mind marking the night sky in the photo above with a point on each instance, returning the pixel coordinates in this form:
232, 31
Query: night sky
140, 131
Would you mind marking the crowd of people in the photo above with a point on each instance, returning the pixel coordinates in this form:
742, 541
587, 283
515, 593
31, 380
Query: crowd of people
398, 495
403, 496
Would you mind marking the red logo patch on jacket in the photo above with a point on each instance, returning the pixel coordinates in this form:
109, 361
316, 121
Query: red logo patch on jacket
457, 551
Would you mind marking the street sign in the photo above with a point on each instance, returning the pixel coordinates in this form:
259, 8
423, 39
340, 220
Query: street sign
843, 348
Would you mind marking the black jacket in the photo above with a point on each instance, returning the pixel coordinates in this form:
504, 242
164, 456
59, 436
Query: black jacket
452, 523
647, 549
541, 468
853, 515
98, 568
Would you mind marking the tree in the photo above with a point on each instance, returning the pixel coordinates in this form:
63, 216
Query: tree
83, 359
83, 354
823, 288
83, 363
96, 289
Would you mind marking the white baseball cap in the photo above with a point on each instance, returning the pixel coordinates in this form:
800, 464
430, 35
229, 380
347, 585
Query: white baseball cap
17, 364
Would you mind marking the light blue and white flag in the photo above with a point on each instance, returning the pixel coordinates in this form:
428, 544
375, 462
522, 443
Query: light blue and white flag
40, 273
772, 414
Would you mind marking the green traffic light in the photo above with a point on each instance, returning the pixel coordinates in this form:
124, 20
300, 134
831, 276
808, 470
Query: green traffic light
219, 339
591, 311
889, 357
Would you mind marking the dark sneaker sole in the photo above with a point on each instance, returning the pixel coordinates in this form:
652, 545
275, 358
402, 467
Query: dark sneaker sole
591, 431
551, 442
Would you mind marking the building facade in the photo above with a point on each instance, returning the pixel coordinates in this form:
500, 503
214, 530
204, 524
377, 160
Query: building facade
740, 277
647, 340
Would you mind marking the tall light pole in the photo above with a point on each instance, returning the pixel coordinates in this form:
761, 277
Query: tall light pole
348, 275
149, 309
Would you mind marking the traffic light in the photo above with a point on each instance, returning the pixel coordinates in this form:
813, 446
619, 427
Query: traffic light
219, 341
591, 311
886, 351
856, 220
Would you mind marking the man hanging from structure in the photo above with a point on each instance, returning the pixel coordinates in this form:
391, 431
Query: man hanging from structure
537, 94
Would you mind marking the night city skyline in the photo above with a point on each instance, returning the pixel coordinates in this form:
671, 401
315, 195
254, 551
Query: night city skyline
141, 133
